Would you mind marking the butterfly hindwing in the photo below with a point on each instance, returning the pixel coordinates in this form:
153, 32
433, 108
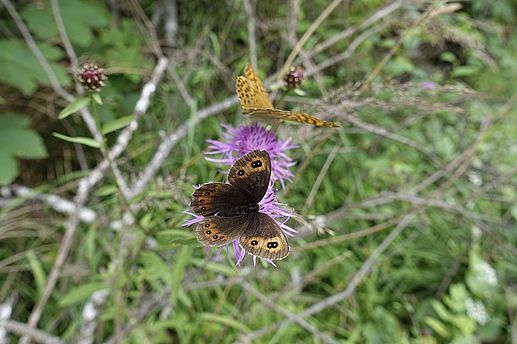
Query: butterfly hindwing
264, 238
218, 231
292, 116
250, 175
211, 198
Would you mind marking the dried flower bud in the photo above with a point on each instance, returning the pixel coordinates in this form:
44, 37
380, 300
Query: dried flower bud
294, 77
91, 77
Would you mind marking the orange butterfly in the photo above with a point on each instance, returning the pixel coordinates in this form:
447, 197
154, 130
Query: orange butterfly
255, 101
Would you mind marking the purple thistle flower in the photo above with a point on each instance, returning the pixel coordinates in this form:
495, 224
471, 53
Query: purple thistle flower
269, 206
244, 139
428, 85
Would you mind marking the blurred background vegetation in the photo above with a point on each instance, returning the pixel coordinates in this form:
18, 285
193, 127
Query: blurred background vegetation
409, 208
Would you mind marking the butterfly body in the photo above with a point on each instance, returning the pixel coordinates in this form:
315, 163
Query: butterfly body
240, 210
255, 102
232, 210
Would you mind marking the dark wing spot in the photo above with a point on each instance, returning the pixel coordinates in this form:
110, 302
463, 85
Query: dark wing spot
207, 193
254, 242
201, 201
240, 173
256, 164
203, 208
272, 244
208, 232
207, 225
215, 236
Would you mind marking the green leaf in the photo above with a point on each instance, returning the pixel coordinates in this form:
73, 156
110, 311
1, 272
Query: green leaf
116, 124
97, 98
513, 211
9, 169
37, 271
123, 48
80, 18
440, 309
155, 267
80, 293
188, 242
180, 263
16, 140
106, 190
437, 326
81, 140
21, 70
220, 268
464, 71
224, 320
74, 106
176, 234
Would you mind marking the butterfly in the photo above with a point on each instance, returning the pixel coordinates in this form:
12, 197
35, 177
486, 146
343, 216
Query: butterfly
231, 210
255, 101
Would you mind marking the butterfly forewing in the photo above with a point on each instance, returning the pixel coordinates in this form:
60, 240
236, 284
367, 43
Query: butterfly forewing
261, 95
251, 95
264, 238
211, 198
217, 230
250, 175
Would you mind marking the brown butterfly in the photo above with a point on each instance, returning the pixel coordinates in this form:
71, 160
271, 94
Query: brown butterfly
231, 210
255, 101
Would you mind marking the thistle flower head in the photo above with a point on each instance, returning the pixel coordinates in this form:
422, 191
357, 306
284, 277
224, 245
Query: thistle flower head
91, 77
428, 85
294, 78
241, 140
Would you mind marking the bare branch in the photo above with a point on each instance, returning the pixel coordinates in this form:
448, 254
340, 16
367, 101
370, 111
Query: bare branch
289, 315
85, 185
252, 39
301, 42
378, 15
27, 331
90, 316
64, 37
170, 141
352, 285
6, 310
387, 134
57, 203
317, 183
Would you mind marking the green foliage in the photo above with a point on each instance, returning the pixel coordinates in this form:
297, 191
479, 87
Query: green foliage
117, 124
17, 141
79, 18
447, 278
20, 69
81, 140
74, 106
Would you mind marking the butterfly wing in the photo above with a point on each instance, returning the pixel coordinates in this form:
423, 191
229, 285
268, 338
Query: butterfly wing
253, 77
255, 101
251, 91
291, 116
250, 175
218, 231
211, 198
264, 238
